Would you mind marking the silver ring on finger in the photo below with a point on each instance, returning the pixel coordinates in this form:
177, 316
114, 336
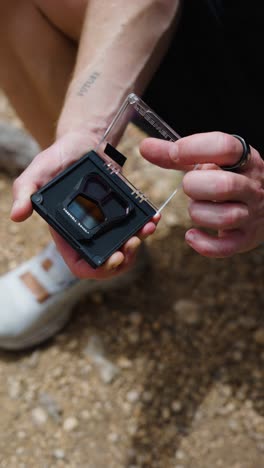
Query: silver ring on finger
244, 158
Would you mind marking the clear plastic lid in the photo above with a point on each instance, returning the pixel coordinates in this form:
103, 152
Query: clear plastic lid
134, 122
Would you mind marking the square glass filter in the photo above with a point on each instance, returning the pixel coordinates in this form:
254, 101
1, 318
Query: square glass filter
134, 122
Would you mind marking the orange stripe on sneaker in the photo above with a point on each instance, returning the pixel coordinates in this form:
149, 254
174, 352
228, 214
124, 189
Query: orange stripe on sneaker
40, 293
46, 264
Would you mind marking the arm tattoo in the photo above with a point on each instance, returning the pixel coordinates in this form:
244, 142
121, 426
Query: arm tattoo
88, 83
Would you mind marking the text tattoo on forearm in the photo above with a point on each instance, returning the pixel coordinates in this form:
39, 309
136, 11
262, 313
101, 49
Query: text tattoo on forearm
88, 83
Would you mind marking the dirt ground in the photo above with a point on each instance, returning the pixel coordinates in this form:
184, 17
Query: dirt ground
180, 383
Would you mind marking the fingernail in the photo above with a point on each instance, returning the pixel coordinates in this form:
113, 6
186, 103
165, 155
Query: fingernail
114, 265
189, 236
17, 204
173, 152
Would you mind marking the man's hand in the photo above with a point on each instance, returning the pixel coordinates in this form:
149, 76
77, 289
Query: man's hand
46, 165
232, 204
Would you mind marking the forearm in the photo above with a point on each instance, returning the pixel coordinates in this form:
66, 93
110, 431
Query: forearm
121, 45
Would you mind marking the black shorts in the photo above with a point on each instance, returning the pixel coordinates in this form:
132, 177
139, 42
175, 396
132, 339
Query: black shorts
211, 78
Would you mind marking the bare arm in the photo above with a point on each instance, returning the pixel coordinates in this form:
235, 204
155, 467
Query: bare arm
121, 45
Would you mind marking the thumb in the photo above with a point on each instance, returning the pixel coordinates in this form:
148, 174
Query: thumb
46, 165
22, 207
42, 169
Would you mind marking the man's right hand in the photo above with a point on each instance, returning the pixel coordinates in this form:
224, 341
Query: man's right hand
229, 203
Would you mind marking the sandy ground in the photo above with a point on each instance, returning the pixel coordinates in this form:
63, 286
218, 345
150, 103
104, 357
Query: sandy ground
180, 384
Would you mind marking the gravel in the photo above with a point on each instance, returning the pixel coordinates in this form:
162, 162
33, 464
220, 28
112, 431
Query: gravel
183, 349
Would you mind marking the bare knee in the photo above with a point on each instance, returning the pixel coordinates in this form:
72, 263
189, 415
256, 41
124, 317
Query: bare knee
30, 45
66, 15
12, 21
8, 13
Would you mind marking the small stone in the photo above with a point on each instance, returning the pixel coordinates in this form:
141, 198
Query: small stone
156, 326
180, 455
95, 351
176, 406
227, 409
131, 454
241, 394
171, 219
147, 396
14, 388
113, 437
50, 405
187, 311
39, 416
237, 356
86, 369
59, 454
133, 337
85, 388
136, 318
73, 344
260, 446
248, 404
132, 429
133, 396
165, 413
57, 372
259, 336
94, 347
33, 360
107, 371
20, 450
85, 415
29, 395
70, 424
233, 425
124, 363
225, 391
126, 407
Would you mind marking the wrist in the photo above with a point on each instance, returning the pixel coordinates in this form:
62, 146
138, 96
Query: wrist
92, 103
74, 143
85, 137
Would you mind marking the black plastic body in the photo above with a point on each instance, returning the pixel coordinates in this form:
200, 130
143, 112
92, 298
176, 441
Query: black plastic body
97, 245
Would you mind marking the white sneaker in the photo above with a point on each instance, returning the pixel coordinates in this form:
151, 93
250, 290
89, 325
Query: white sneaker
36, 299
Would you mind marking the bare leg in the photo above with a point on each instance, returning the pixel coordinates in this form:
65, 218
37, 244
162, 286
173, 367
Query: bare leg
38, 44
36, 61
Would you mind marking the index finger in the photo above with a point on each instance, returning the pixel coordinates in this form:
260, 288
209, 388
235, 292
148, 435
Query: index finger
212, 147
